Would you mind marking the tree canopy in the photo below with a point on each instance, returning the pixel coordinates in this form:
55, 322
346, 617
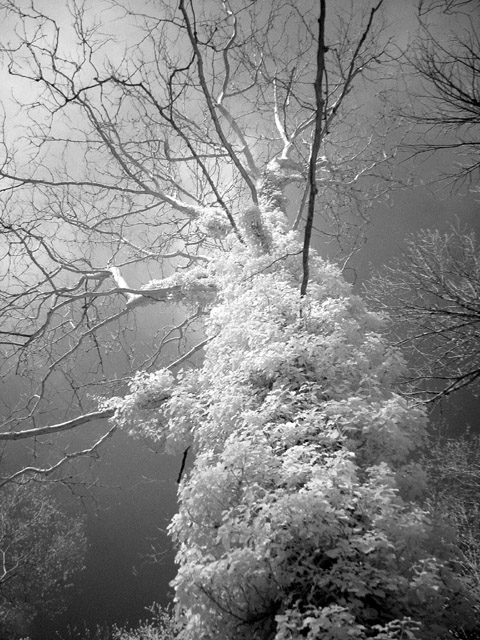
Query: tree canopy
129, 175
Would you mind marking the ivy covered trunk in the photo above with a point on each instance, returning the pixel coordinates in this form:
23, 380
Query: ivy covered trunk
298, 518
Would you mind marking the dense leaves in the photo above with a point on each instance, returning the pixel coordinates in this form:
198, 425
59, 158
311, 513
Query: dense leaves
295, 519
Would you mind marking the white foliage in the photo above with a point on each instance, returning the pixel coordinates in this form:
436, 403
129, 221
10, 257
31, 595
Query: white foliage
195, 287
214, 222
291, 522
253, 227
141, 409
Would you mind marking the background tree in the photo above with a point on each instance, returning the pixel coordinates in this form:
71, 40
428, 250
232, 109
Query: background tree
432, 291
453, 466
445, 108
161, 627
432, 294
40, 549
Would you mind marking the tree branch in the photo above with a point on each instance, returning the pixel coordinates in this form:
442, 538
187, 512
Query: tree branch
211, 106
56, 428
317, 139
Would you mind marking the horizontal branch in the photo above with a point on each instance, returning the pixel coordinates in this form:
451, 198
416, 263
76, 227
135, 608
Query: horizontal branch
56, 428
67, 457
143, 189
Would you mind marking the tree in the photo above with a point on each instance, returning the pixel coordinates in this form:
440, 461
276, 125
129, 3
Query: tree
453, 466
132, 172
291, 521
432, 291
296, 518
40, 548
445, 109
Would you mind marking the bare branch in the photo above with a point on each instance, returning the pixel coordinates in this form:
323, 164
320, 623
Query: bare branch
317, 140
68, 457
433, 291
211, 105
56, 428
445, 109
